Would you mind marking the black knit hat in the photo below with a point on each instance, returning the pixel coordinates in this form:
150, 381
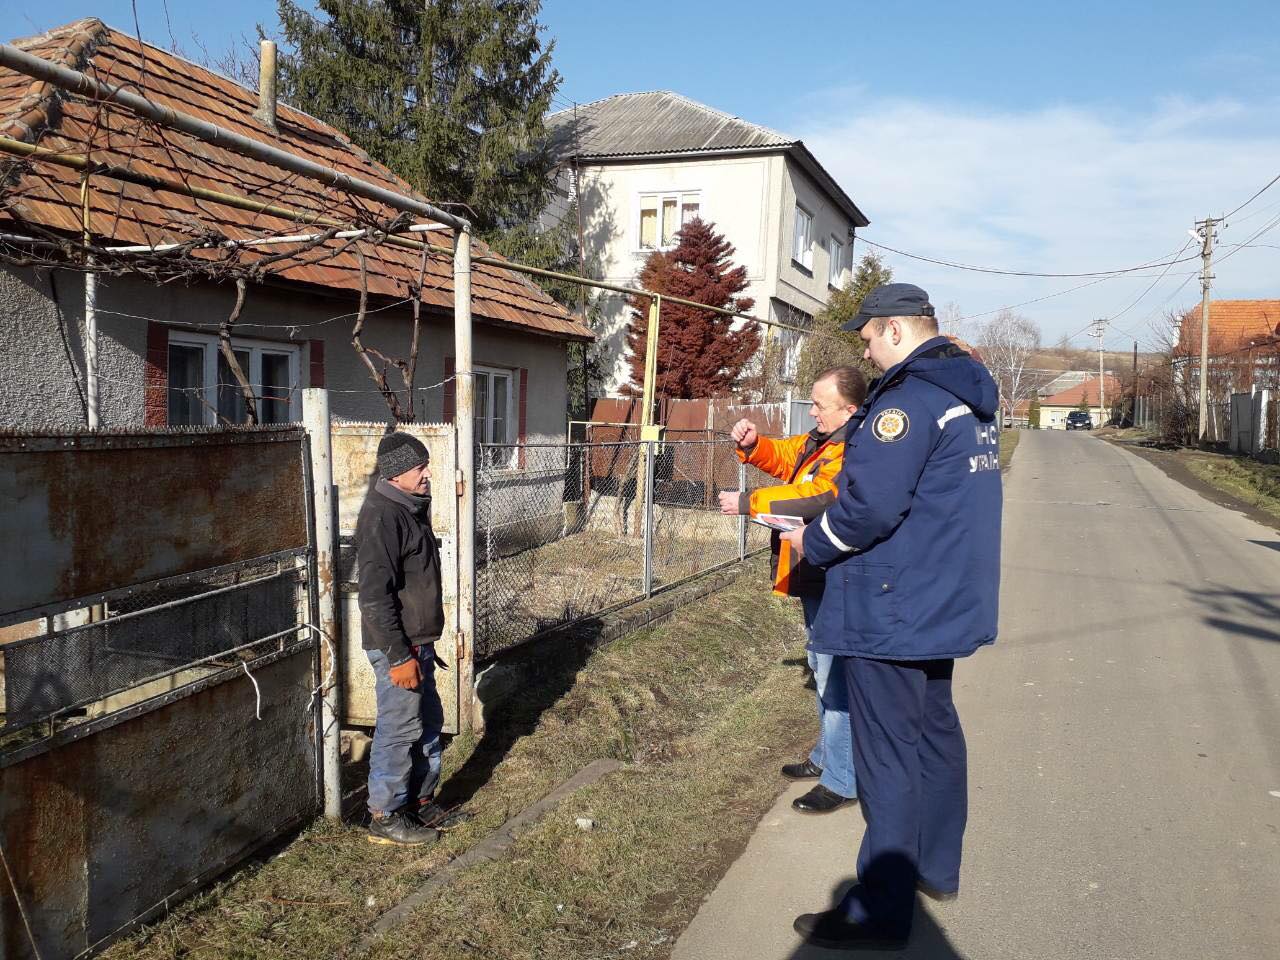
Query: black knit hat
398, 452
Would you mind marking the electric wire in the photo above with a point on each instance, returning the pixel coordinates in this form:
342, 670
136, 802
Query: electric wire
1023, 273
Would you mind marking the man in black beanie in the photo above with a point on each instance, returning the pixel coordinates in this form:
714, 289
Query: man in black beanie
401, 617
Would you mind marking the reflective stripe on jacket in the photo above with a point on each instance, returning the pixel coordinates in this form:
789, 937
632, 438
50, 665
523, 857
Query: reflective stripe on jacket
809, 463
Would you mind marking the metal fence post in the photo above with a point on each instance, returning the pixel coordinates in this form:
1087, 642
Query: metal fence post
742, 517
650, 455
315, 416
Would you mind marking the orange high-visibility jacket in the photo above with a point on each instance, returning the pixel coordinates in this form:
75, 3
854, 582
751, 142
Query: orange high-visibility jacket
809, 463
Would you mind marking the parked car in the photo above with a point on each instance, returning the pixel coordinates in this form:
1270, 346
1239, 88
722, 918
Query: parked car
1079, 420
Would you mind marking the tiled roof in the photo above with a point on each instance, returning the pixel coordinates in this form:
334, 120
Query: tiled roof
1073, 396
124, 214
1233, 324
662, 123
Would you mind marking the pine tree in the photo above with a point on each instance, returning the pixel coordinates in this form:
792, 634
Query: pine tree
450, 94
828, 345
1083, 405
1033, 415
700, 354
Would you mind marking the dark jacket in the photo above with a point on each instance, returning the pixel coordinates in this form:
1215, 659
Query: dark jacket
808, 465
398, 569
911, 546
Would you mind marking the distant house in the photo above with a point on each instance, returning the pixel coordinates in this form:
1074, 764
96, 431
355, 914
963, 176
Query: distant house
1054, 409
157, 348
1244, 345
643, 164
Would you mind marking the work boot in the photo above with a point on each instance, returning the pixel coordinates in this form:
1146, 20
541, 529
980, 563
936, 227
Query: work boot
401, 828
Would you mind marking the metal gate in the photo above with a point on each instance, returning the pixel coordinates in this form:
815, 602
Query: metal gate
159, 671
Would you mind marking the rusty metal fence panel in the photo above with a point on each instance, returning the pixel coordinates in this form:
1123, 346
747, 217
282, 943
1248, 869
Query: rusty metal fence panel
158, 717
566, 532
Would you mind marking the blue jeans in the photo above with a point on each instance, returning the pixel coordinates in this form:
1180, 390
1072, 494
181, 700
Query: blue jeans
404, 764
834, 749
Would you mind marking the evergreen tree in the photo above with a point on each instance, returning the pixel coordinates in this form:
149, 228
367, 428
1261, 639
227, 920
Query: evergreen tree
700, 354
828, 345
450, 94
1084, 402
1033, 415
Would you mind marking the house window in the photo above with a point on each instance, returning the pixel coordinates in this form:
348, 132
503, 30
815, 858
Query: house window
663, 215
836, 268
203, 391
494, 424
802, 244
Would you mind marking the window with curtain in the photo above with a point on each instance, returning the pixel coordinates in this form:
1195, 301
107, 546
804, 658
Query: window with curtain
204, 392
663, 215
835, 268
802, 243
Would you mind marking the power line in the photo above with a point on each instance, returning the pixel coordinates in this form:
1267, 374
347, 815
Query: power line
1023, 273
1269, 185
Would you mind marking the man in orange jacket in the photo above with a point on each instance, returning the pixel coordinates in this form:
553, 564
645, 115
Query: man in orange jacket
808, 465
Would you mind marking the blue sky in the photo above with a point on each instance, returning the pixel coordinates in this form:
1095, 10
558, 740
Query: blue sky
1051, 137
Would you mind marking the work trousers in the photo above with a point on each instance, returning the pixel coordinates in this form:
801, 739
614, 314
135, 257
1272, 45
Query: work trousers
909, 751
404, 763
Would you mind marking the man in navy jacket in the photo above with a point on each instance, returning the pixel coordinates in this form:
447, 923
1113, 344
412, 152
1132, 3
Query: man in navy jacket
911, 550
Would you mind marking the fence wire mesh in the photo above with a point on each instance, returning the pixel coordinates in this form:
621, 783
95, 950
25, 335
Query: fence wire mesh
91, 661
566, 531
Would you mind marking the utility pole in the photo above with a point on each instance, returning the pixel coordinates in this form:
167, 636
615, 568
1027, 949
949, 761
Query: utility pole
1204, 230
1133, 410
1099, 330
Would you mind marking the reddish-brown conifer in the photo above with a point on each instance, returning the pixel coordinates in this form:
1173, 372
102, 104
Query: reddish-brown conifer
700, 353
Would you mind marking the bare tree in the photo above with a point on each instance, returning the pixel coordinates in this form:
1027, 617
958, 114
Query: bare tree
1008, 341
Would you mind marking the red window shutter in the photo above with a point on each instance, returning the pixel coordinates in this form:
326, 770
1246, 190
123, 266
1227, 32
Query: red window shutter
522, 417
317, 362
450, 391
155, 376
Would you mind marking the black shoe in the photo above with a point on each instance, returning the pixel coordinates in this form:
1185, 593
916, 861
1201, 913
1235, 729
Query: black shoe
821, 800
431, 814
401, 828
833, 931
933, 893
807, 770
810, 681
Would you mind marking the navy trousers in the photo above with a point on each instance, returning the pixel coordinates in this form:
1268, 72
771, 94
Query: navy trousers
909, 751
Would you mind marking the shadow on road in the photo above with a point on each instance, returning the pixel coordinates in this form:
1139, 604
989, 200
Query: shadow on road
1243, 612
928, 941
1269, 544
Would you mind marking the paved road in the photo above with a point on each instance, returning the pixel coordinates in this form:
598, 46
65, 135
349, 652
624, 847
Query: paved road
1124, 740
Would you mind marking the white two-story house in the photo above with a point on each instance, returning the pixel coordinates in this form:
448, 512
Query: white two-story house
642, 164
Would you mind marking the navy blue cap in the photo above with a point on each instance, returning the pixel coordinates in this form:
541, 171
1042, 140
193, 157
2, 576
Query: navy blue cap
892, 300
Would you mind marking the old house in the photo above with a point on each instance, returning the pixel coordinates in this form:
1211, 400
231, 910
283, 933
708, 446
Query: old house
157, 358
643, 164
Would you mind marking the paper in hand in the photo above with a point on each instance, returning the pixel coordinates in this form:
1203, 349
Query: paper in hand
778, 521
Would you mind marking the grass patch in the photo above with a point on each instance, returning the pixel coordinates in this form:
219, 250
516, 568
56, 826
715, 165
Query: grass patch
1251, 480
702, 708
1008, 443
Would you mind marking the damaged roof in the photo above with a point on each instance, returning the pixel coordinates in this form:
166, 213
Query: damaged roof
48, 196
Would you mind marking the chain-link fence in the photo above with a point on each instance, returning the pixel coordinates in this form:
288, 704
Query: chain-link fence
567, 531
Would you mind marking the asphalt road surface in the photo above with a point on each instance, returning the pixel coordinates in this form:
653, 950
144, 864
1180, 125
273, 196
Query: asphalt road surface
1124, 738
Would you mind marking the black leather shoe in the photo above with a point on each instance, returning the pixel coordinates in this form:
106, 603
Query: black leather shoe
833, 931
933, 893
821, 800
808, 770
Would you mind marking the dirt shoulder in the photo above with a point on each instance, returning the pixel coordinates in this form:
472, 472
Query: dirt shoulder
1237, 483
701, 709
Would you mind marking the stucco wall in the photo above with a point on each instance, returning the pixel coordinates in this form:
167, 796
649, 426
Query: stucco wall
751, 200
37, 387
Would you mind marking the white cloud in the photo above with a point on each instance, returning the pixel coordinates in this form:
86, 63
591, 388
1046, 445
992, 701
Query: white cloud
1061, 189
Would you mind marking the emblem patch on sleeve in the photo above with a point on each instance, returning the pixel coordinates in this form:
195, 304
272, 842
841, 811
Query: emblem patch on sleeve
890, 425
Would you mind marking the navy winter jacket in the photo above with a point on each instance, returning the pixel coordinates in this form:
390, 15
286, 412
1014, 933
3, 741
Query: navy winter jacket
911, 546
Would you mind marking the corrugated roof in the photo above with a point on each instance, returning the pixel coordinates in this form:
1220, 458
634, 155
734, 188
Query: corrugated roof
662, 123
1233, 325
1073, 396
49, 196
632, 124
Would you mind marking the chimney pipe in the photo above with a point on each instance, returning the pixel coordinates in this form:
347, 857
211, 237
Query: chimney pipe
266, 112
